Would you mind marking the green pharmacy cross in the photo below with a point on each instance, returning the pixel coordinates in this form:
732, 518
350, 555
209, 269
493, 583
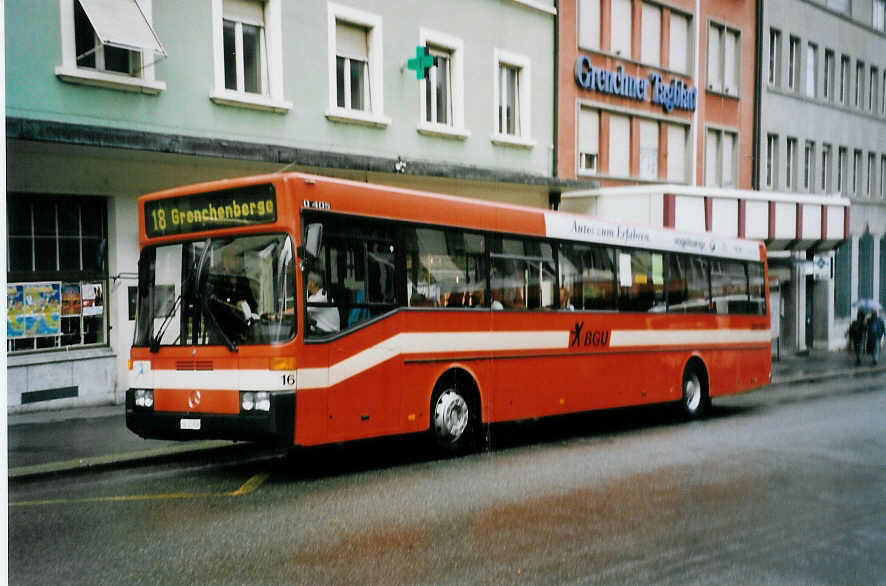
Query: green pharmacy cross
422, 62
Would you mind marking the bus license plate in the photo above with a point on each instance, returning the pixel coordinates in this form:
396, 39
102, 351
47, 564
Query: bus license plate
193, 424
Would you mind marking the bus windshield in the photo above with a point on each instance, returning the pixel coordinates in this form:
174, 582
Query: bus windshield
217, 291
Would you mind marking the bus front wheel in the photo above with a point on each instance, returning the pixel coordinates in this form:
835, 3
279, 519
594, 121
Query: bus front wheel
696, 399
453, 420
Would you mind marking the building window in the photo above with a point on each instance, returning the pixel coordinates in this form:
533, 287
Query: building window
771, 159
869, 184
791, 165
619, 145
588, 140
512, 99
648, 149
678, 136
442, 92
859, 84
248, 54
825, 168
589, 24
882, 176
883, 95
879, 20
621, 25
856, 171
842, 154
794, 64
678, 50
115, 49
774, 57
650, 51
828, 90
809, 166
811, 69
720, 157
844, 79
355, 67
872, 91
724, 59
57, 271
839, 5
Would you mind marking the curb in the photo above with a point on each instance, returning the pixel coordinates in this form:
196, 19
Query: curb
822, 376
114, 460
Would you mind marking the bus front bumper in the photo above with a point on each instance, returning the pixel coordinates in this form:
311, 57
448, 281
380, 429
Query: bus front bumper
275, 426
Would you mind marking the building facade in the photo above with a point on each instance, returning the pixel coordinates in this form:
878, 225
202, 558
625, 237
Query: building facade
102, 107
822, 113
659, 100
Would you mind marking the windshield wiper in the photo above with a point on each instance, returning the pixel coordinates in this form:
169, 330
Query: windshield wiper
207, 311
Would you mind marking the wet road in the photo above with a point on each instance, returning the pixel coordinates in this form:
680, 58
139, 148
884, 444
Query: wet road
781, 486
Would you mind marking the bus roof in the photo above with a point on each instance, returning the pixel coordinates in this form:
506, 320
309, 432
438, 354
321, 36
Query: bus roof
353, 197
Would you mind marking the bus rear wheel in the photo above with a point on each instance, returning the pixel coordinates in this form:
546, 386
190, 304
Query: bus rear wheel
454, 420
696, 400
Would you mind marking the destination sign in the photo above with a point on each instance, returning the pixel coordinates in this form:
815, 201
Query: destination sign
243, 206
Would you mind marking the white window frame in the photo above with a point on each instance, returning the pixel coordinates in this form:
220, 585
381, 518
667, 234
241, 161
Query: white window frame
809, 166
879, 15
524, 89
842, 162
271, 99
715, 170
869, 178
829, 69
580, 167
650, 45
681, 166
771, 178
70, 72
686, 66
375, 116
588, 24
859, 84
845, 79
826, 167
882, 176
454, 46
793, 63
774, 57
648, 156
872, 89
856, 171
811, 70
790, 169
717, 83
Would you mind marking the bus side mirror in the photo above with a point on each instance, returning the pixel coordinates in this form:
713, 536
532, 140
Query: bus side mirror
313, 241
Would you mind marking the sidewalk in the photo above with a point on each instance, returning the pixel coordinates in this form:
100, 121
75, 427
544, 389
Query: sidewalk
50, 442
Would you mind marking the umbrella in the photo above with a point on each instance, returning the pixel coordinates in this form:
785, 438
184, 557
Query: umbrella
867, 304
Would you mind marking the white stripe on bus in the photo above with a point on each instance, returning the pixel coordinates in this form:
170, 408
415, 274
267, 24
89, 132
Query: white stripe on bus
431, 343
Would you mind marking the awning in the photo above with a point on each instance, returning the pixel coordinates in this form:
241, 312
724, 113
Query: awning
121, 23
783, 220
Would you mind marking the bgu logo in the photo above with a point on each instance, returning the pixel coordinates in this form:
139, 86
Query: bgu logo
580, 338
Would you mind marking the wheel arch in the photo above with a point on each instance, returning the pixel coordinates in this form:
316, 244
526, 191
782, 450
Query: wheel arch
463, 377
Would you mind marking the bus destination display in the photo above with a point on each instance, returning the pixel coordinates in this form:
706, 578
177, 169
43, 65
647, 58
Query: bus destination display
255, 204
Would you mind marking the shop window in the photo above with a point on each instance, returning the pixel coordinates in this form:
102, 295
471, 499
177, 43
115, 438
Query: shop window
57, 272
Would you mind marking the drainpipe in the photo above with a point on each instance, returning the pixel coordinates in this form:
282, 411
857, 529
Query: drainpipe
700, 91
554, 161
758, 83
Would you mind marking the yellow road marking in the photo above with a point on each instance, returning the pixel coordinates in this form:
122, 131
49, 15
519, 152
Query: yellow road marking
246, 488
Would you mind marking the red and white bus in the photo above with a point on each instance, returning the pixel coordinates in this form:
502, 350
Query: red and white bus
309, 310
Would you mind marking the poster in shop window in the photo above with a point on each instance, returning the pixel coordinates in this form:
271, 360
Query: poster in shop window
70, 299
33, 310
92, 300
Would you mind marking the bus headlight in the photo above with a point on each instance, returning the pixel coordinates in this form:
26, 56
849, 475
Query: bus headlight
144, 398
255, 401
